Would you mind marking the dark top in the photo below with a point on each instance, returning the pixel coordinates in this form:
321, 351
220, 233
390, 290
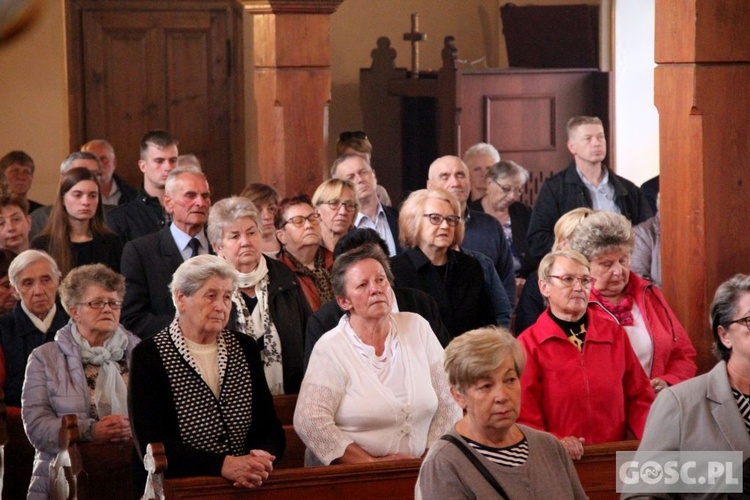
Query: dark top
650, 190
103, 249
289, 312
33, 205
127, 192
565, 191
408, 299
485, 235
139, 217
153, 413
18, 337
461, 297
530, 304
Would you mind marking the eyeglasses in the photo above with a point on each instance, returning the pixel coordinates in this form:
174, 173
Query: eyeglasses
99, 304
437, 219
353, 134
507, 189
299, 220
349, 206
569, 281
745, 321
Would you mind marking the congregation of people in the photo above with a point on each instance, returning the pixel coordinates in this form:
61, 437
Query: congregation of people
159, 314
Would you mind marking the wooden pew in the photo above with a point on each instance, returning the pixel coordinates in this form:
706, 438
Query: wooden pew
393, 480
95, 470
294, 455
18, 456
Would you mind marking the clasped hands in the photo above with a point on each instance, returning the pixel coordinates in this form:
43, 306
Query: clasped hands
248, 471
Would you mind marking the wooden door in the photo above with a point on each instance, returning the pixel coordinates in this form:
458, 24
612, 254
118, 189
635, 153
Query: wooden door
159, 69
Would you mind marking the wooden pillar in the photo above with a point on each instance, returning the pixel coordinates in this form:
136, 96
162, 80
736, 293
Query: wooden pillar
291, 78
702, 92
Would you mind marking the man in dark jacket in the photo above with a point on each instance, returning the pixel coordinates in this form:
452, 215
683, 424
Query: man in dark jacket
587, 182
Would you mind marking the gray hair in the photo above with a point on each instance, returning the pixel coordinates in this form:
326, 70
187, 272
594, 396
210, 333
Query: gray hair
188, 160
75, 284
479, 149
344, 261
98, 142
506, 169
549, 260
78, 155
477, 353
603, 232
193, 274
724, 309
176, 172
341, 159
229, 210
28, 258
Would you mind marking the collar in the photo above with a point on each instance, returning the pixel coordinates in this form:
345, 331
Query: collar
43, 325
379, 215
604, 182
419, 259
182, 239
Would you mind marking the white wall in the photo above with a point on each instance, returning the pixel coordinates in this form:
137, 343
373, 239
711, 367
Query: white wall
636, 121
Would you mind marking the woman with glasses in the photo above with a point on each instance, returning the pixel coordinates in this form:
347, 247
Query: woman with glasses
582, 380
505, 185
298, 231
83, 372
431, 229
266, 200
663, 347
710, 412
268, 304
336, 202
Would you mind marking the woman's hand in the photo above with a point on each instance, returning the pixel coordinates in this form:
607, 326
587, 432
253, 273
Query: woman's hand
112, 428
248, 471
395, 456
574, 446
658, 385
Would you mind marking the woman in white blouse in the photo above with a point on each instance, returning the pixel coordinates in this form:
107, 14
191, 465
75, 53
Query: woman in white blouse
375, 388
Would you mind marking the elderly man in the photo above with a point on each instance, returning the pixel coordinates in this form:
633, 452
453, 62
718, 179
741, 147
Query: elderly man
76, 159
17, 168
148, 262
587, 182
114, 191
372, 214
483, 232
146, 214
479, 158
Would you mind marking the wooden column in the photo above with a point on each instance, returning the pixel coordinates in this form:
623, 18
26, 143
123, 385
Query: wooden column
702, 92
290, 68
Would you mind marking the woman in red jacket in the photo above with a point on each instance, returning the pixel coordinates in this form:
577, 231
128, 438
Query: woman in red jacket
663, 347
582, 380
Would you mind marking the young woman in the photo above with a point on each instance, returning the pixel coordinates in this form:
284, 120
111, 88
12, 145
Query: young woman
75, 233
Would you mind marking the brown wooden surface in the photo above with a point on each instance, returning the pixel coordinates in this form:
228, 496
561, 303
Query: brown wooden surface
704, 114
19, 458
393, 480
138, 66
294, 454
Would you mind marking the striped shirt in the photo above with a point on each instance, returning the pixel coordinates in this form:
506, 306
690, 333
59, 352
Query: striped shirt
743, 402
510, 456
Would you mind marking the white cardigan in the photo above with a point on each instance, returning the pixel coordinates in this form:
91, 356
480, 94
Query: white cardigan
342, 400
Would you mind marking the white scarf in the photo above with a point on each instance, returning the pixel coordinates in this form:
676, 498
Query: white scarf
110, 393
248, 280
43, 325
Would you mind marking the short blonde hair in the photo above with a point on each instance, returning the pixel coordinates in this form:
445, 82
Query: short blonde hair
477, 353
331, 190
411, 216
549, 260
568, 223
603, 232
577, 121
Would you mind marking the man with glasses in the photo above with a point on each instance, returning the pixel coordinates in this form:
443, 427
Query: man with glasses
372, 214
587, 182
148, 262
483, 233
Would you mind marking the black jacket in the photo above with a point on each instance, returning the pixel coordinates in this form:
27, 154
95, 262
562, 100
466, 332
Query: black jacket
289, 312
139, 217
106, 249
565, 191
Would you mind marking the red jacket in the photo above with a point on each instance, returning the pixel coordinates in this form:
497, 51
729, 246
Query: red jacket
597, 394
674, 354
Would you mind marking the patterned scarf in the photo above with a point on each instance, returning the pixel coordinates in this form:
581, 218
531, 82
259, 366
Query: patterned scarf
320, 275
622, 311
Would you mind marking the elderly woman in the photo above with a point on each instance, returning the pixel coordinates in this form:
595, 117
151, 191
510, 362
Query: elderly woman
663, 347
709, 412
484, 368
336, 202
531, 303
221, 421
582, 381
430, 227
505, 183
34, 320
373, 389
266, 200
83, 372
298, 230
268, 304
